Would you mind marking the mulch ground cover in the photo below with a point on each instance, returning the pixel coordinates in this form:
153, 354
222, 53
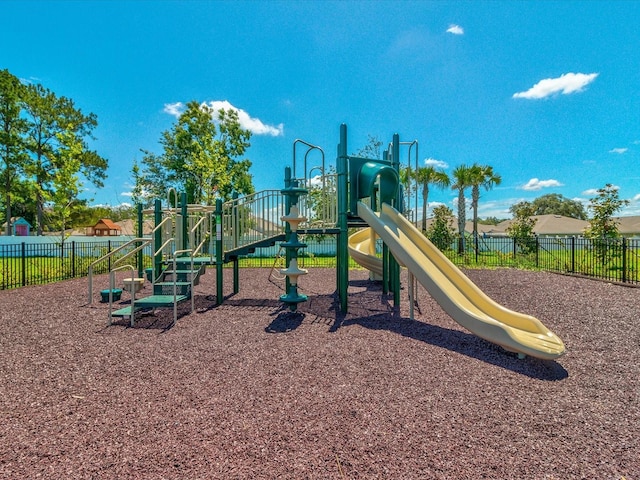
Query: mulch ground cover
250, 390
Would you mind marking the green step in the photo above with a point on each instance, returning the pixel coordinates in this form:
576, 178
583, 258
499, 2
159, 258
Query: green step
152, 301
159, 287
182, 275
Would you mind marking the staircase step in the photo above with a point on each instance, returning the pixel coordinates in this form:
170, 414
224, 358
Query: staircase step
152, 301
166, 288
182, 276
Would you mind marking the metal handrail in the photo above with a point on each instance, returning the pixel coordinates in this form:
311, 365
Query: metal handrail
132, 252
175, 285
112, 286
110, 254
192, 235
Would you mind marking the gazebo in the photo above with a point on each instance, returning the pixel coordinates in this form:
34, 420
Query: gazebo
105, 228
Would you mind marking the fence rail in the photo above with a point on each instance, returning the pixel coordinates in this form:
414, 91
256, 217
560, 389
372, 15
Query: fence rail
616, 260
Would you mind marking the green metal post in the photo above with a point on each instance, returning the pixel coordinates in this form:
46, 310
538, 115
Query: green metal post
219, 247
342, 257
157, 219
236, 275
184, 242
139, 234
287, 227
393, 264
385, 269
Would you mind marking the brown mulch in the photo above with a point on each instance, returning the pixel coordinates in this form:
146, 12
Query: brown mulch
249, 390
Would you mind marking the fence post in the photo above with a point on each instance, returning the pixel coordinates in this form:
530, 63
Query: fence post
24, 264
475, 239
537, 251
515, 248
624, 259
73, 259
109, 251
573, 254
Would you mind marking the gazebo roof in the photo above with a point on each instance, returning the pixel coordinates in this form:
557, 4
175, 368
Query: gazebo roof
107, 223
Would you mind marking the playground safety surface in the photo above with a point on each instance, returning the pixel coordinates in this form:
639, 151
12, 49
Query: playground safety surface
248, 390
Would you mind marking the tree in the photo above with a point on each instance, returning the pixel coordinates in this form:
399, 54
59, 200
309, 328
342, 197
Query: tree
65, 182
139, 195
200, 156
490, 221
371, 149
425, 176
49, 119
462, 179
521, 228
603, 228
440, 231
12, 130
481, 176
556, 204
405, 174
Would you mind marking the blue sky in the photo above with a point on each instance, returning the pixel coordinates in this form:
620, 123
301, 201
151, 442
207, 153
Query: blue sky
548, 93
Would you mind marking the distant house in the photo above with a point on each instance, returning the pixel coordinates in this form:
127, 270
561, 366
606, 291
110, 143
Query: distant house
105, 228
19, 227
552, 226
629, 226
559, 226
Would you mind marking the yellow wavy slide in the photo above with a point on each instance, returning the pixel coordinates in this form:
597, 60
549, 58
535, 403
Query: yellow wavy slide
452, 289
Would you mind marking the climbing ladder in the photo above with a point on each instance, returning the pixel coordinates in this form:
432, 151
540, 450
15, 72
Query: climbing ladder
173, 286
174, 282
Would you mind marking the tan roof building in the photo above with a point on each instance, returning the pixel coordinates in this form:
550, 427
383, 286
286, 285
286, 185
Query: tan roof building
549, 225
629, 226
104, 228
552, 225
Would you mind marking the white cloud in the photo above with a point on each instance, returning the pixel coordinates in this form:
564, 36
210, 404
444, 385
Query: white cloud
594, 191
315, 181
254, 125
455, 29
143, 194
247, 122
565, 84
174, 109
436, 163
618, 150
537, 184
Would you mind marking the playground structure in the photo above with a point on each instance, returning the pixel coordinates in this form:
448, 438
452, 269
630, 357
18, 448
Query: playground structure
368, 196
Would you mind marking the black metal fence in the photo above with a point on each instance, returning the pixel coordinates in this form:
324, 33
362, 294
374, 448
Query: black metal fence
616, 260
25, 263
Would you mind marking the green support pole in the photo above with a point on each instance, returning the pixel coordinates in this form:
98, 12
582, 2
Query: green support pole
292, 217
385, 268
287, 227
393, 264
139, 234
219, 247
236, 275
343, 253
184, 243
157, 219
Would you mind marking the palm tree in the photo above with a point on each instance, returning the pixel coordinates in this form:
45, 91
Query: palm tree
481, 176
462, 178
406, 174
425, 176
